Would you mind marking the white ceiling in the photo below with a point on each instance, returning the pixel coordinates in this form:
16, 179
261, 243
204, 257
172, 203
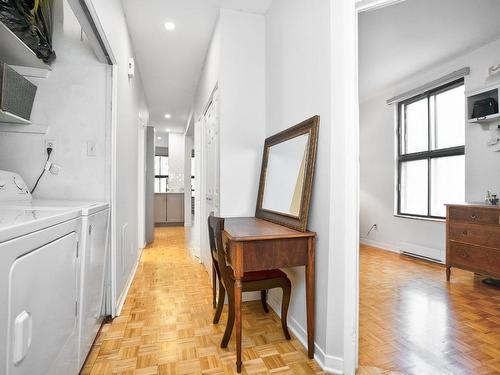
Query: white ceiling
170, 63
403, 39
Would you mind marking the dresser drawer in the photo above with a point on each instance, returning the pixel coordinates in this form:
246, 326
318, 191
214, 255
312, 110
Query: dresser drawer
474, 215
474, 258
475, 234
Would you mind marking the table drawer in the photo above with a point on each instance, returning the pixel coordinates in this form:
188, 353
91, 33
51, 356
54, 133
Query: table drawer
474, 215
474, 258
476, 234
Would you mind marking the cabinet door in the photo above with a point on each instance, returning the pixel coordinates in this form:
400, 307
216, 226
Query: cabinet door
175, 208
160, 208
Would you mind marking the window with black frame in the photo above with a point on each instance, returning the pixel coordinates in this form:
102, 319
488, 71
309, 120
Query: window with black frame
161, 173
431, 156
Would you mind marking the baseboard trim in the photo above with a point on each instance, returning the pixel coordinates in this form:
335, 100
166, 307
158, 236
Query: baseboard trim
163, 225
404, 248
380, 245
328, 363
123, 296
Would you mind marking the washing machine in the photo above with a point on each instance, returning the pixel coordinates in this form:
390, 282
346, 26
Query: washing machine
39, 286
93, 275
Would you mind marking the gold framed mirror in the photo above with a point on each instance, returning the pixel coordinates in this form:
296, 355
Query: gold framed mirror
286, 176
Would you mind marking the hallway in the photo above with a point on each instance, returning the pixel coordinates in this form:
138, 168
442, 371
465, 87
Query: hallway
166, 324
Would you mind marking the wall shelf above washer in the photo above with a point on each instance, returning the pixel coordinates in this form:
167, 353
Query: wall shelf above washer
485, 119
13, 51
9, 118
27, 129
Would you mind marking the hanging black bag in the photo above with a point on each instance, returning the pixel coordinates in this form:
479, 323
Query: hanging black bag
484, 107
31, 21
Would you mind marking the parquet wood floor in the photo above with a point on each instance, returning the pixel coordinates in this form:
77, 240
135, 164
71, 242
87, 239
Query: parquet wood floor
166, 325
413, 322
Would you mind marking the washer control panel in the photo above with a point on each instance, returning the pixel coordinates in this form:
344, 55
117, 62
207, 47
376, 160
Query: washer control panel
13, 188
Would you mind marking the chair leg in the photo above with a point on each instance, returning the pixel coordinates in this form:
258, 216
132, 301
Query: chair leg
214, 286
287, 291
220, 302
230, 323
263, 298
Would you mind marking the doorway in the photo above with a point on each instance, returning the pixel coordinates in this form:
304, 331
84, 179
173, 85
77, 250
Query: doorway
411, 318
207, 179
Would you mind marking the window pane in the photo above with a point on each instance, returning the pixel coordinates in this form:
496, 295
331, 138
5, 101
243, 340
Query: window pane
164, 165
414, 187
157, 165
163, 184
448, 114
160, 185
447, 183
415, 127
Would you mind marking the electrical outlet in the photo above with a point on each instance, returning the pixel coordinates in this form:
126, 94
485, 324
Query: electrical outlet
50, 143
91, 148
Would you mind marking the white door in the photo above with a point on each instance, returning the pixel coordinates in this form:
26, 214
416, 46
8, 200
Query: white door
210, 178
195, 232
212, 152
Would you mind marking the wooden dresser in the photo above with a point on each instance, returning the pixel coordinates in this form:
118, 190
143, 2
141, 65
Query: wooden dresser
473, 239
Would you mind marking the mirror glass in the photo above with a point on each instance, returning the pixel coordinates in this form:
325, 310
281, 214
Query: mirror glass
284, 179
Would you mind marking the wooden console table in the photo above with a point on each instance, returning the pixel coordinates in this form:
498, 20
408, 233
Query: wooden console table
255, 245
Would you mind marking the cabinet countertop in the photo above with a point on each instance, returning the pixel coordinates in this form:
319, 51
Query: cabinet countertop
472, 204
169, 192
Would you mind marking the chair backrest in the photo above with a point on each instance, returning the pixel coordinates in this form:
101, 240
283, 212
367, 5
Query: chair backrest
212, 223
215, 228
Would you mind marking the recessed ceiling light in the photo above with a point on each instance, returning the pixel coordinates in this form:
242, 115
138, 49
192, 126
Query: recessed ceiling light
168, 115
168, 130
159, 138
170, 26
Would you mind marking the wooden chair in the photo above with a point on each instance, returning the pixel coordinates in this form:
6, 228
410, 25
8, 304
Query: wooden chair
252, 281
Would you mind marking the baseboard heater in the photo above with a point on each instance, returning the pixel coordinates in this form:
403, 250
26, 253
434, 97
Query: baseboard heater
422, 252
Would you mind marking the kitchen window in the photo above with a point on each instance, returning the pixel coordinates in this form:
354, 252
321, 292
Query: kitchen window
161, 174
431, 151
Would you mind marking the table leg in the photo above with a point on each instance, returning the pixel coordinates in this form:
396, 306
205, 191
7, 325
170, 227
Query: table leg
237, 307
310, 298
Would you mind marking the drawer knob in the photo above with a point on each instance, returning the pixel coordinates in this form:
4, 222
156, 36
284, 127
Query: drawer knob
464, 254
474, 217
464, 233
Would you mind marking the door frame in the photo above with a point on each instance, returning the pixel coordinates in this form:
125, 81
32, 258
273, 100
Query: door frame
203, 234
345, 101
89, 20
141, 180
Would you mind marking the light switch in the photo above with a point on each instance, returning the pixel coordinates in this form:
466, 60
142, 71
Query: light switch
91, 148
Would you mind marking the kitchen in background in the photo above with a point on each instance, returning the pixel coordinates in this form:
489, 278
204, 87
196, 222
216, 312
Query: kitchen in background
169, 179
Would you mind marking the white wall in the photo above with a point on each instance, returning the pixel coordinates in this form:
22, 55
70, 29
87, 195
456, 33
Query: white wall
176, 161
130, 102
378, 156
298, 86
235, 62
72, 102
209, 75
242, 110
163, 141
